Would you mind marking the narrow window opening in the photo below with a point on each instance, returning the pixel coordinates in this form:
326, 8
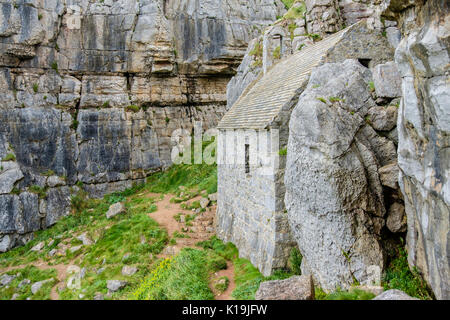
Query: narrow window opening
364, 62
247, 158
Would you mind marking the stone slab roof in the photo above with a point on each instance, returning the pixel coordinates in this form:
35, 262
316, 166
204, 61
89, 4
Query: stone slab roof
259, 107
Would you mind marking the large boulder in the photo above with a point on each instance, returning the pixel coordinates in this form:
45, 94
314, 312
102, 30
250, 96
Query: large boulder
294, 288
334, 195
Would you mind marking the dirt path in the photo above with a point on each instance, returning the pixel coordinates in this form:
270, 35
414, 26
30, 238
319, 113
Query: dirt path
229, 273
201, 229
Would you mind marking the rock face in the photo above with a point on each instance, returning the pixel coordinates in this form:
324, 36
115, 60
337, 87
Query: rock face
334, 195
91, 91
294, 288
422, 58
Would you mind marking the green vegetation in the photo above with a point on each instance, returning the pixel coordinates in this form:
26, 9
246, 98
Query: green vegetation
32, 274
335, 99
133, 108
371, 86
106, 104
283, 151
54, 66
399, 276
247, 277
257, 53
277, 53
35, 87
295, 12
322, 100
352, 294
222, 284
295, 261
288, 3
40, 191
48, 173
9, 157
183, 277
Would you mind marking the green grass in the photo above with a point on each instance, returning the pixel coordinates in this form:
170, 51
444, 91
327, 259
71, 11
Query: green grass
185, 278
288, 3
295, 12
247, 277
352, 294
9, 157
34, 275
399, 276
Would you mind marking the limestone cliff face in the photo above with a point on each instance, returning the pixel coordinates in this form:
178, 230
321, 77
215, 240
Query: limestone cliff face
424, 131
90, 92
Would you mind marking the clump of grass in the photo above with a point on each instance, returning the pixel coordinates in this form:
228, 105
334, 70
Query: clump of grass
35, 87
295, 12
277, 53
352, 294
9, 157
283, 151
106, 104
399, 276
133, 108
322, 100
371, 86
295, 261
48, 173
257, 50
288, 3
184, 277
40, 191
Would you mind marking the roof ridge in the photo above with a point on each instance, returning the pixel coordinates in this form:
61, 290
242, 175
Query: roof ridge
263, 101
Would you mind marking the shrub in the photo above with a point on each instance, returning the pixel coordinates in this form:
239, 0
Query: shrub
399, 276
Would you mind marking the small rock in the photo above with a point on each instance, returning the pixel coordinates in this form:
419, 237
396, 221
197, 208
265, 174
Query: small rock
85, 239
383, 119
38, 285
170, 251
294, 288
81, 296
52, 252
376, 290
15, 296
99, 296
51, 243
24, 283
204, 203
6, 279
129, 270
143, 240
100, 270
389, 175
75, 249
38, 247
396, 220
115, 285
213, 197
183, 218
394, 294
115, 209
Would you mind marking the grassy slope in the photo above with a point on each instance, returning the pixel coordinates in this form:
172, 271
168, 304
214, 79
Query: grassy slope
138, 238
